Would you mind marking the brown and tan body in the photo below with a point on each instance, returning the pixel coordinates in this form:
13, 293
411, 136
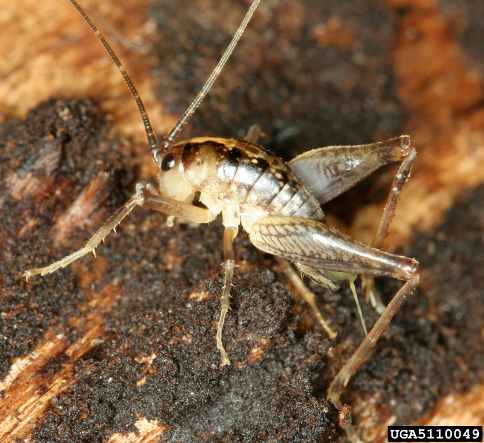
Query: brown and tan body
238, 176
247, 184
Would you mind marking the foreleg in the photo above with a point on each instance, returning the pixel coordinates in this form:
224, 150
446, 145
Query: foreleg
229, 264
140, 198
254, 134
136, 200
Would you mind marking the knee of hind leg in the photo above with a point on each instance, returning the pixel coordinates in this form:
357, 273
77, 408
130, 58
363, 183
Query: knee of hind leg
409, 269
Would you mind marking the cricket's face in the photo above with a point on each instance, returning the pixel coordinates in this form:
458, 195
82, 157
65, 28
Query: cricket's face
172, 181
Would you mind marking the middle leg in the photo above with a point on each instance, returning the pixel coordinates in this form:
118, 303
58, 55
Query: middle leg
231, 222
301, 290
306, 294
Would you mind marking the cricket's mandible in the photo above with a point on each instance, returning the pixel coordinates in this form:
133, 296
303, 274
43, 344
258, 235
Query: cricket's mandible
277, 203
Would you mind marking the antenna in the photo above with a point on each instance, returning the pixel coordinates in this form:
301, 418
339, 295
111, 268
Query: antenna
150, 134
214, 74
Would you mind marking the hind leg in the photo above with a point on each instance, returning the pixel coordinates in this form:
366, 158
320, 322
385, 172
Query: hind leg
330, 171
386, 218
316, 245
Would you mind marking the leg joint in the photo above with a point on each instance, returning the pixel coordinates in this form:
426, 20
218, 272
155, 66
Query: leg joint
228, 264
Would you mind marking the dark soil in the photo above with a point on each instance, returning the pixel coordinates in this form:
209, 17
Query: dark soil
56, 151
432, 347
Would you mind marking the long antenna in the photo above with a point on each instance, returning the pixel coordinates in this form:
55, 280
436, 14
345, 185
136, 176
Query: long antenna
150, 134
214, 74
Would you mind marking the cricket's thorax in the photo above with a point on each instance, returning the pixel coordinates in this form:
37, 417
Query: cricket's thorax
234, 175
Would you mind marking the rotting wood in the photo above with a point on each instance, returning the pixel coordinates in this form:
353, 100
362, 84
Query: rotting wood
438, 92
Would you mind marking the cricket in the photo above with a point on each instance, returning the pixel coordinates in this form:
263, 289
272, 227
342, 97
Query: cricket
277, 203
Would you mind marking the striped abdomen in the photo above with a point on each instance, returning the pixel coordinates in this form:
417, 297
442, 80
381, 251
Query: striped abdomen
258, 179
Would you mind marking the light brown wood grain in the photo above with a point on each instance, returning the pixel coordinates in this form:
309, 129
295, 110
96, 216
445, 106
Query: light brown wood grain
440, 86
55, 54
27, 392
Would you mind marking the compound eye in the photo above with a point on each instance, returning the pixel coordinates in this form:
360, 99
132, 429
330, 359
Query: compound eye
168, 162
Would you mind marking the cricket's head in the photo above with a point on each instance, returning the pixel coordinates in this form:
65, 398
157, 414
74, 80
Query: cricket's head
172, 181
175, 181
187, 167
